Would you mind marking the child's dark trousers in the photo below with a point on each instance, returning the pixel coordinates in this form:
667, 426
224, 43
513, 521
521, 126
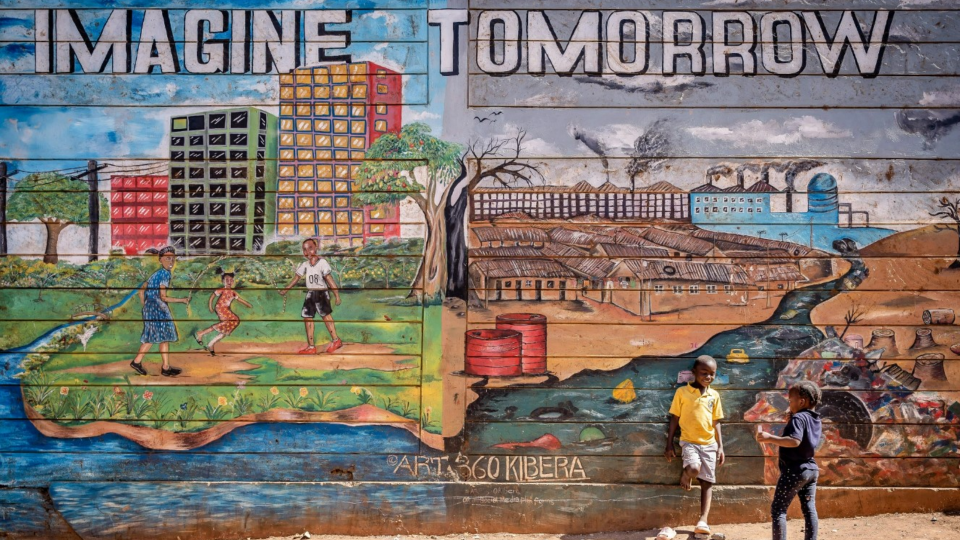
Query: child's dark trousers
791, 484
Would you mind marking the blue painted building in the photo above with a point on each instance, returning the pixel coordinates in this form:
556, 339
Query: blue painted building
748, 210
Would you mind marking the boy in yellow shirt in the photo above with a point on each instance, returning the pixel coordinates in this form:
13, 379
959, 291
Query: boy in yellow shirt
696, 410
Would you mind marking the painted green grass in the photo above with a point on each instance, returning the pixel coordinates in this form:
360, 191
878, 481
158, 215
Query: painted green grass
270, 372
194, 408
23, 317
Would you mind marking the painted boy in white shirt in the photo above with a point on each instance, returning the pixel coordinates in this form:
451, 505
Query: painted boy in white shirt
317, 272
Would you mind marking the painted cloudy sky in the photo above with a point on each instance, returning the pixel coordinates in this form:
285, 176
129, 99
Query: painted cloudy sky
877, 135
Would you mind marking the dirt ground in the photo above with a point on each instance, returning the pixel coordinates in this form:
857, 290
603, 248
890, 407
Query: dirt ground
883, 527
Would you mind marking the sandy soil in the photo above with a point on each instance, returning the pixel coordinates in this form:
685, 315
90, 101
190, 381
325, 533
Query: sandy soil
909, 260
884, 527
200, 368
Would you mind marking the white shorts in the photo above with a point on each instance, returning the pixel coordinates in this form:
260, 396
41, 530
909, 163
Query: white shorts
702, 456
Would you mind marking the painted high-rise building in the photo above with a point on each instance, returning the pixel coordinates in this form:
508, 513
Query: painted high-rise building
222, 180
329, 117
138, 212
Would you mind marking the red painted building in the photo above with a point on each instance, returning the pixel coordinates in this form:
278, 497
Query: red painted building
138, 212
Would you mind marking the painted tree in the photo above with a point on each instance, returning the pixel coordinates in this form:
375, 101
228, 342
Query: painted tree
496, 161
650, 151
389, 175
57, 201
950, 210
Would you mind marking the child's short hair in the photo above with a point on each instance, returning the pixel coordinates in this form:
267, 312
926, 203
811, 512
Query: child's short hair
810, 391
704, 360
315, 244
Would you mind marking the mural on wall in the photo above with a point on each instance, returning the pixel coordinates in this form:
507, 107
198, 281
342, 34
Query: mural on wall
388, 268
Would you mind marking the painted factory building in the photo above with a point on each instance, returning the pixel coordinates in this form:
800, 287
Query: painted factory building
748, 210
222, 180
657, 202
329, 118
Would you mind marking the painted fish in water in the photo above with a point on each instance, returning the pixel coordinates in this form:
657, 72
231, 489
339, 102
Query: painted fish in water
547, 442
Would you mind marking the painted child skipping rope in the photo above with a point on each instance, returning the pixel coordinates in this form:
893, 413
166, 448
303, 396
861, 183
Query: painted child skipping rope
229, 321
159, 327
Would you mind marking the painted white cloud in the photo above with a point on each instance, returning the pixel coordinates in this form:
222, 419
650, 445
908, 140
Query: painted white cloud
790, 131
419, 115
389, 18
949, 98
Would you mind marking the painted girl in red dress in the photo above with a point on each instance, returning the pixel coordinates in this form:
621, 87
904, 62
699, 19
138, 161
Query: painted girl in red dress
228, 319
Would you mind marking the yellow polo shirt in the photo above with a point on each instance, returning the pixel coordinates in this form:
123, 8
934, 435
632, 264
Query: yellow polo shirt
697, 413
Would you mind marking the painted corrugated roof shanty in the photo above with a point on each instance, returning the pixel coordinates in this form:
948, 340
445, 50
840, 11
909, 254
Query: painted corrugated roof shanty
626, 251
513, 268
774, 272
573, 237
661, 270
733, 241
514, 251
676, 241
510, 234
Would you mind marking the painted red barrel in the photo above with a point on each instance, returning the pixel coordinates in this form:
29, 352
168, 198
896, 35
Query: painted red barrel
533, 329
493, 353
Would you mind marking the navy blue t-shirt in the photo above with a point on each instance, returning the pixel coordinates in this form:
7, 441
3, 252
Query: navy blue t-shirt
804, 425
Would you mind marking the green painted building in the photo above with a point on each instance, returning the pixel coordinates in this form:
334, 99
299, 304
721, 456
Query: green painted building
223, 181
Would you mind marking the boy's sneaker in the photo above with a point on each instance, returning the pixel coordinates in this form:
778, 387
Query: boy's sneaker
334, 345
309, 349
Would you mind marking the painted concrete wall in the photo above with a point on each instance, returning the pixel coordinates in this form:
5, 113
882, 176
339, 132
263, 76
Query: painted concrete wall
424, 169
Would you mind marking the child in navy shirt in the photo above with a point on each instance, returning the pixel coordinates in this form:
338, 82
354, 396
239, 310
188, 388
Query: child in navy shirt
798, 469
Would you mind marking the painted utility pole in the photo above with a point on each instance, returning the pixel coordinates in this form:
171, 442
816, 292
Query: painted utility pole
3, 208
93, 207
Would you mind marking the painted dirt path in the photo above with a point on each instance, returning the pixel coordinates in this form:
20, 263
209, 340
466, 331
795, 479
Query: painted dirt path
232, 359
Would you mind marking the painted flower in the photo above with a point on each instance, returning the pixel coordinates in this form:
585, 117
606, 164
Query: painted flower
222, 401
117, 390
183, 406
303, 392
64, 390
356, 390
274, 390
148, 395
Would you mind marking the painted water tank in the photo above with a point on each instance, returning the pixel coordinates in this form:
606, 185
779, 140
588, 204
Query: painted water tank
822, 195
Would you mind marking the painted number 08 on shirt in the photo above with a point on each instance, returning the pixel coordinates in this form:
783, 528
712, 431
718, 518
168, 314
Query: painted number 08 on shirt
315, 273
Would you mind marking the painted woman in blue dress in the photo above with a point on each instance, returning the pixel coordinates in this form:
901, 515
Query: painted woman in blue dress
158, 324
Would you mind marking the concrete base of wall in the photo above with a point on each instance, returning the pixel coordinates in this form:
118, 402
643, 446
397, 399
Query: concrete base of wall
231, 510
